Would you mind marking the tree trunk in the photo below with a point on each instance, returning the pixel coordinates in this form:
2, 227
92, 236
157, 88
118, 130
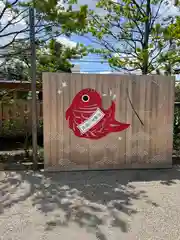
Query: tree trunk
146, 39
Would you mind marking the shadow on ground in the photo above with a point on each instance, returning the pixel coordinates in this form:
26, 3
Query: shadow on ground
13, 143
89, 199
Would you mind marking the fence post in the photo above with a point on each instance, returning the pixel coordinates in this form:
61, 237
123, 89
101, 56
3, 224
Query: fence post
33, 84
1, 118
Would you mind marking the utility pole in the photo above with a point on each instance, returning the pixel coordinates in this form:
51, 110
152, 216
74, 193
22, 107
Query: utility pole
176, 2
33, 84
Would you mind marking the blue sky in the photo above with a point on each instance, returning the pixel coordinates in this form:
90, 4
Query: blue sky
92, 62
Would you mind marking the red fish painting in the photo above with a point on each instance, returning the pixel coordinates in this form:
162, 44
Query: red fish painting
88, 119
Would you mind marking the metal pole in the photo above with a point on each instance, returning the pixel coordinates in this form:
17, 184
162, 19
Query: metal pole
33, 84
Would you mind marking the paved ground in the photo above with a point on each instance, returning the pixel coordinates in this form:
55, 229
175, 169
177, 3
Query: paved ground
110, 205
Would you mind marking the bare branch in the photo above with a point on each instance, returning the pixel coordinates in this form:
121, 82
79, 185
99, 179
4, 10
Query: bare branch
6, 7
155, 17
151, 62
126, 39
16, 32
125, 69
124, 32
11, 21
141, 10
134, 20
3, 11
16, 53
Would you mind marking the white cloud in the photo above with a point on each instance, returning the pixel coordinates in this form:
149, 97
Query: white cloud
65, 41
16, 26
105, 72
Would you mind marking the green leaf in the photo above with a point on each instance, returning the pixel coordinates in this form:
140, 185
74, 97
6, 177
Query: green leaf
131, 30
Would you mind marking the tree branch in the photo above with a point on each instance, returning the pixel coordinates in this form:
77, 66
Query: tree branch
118, 38
141, 10
12, 54
151, 62
3, 11
155, 17
11, 21
6, 7
12, 33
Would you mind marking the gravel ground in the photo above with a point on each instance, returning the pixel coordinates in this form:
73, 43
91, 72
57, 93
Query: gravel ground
104, 205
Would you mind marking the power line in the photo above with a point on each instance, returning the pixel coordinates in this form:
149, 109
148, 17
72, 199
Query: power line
96, 61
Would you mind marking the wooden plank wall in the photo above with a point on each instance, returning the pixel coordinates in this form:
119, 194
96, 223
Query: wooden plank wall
147, 143
15, 117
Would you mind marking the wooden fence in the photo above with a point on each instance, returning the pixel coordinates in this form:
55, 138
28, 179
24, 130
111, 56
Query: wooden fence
15, 117
145, 102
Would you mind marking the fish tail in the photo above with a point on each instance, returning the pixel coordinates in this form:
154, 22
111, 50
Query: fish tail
111, 109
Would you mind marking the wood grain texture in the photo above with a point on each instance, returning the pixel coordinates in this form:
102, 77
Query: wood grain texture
16, 117
46, 119
146, 102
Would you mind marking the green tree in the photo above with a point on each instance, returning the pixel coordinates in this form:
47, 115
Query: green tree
177, 92
173, 58
52, 57
52, 20
134, 35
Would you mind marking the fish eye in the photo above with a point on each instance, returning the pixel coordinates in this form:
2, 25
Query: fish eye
85, 98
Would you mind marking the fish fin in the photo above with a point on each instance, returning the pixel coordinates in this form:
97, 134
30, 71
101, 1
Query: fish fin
68, 113
116, 126
111, 109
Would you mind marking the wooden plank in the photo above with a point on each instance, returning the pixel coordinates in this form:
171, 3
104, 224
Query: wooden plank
53, 117
85, 143
104, 144
120, 115
21, 111
97, 146
132, 166
140, 125
25, 116
65, 88
73, 142
38, 111
166, 118
101, 145
60, 122
71, 163
170, 118
159, 122
78, 146
1, 118
18, 86
129, 116
112, 142
153, 121
147, 122
123, 116
118, 155
135, 120
47, 119
93, 79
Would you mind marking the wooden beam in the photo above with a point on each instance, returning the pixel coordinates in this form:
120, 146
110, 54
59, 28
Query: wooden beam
18, 86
